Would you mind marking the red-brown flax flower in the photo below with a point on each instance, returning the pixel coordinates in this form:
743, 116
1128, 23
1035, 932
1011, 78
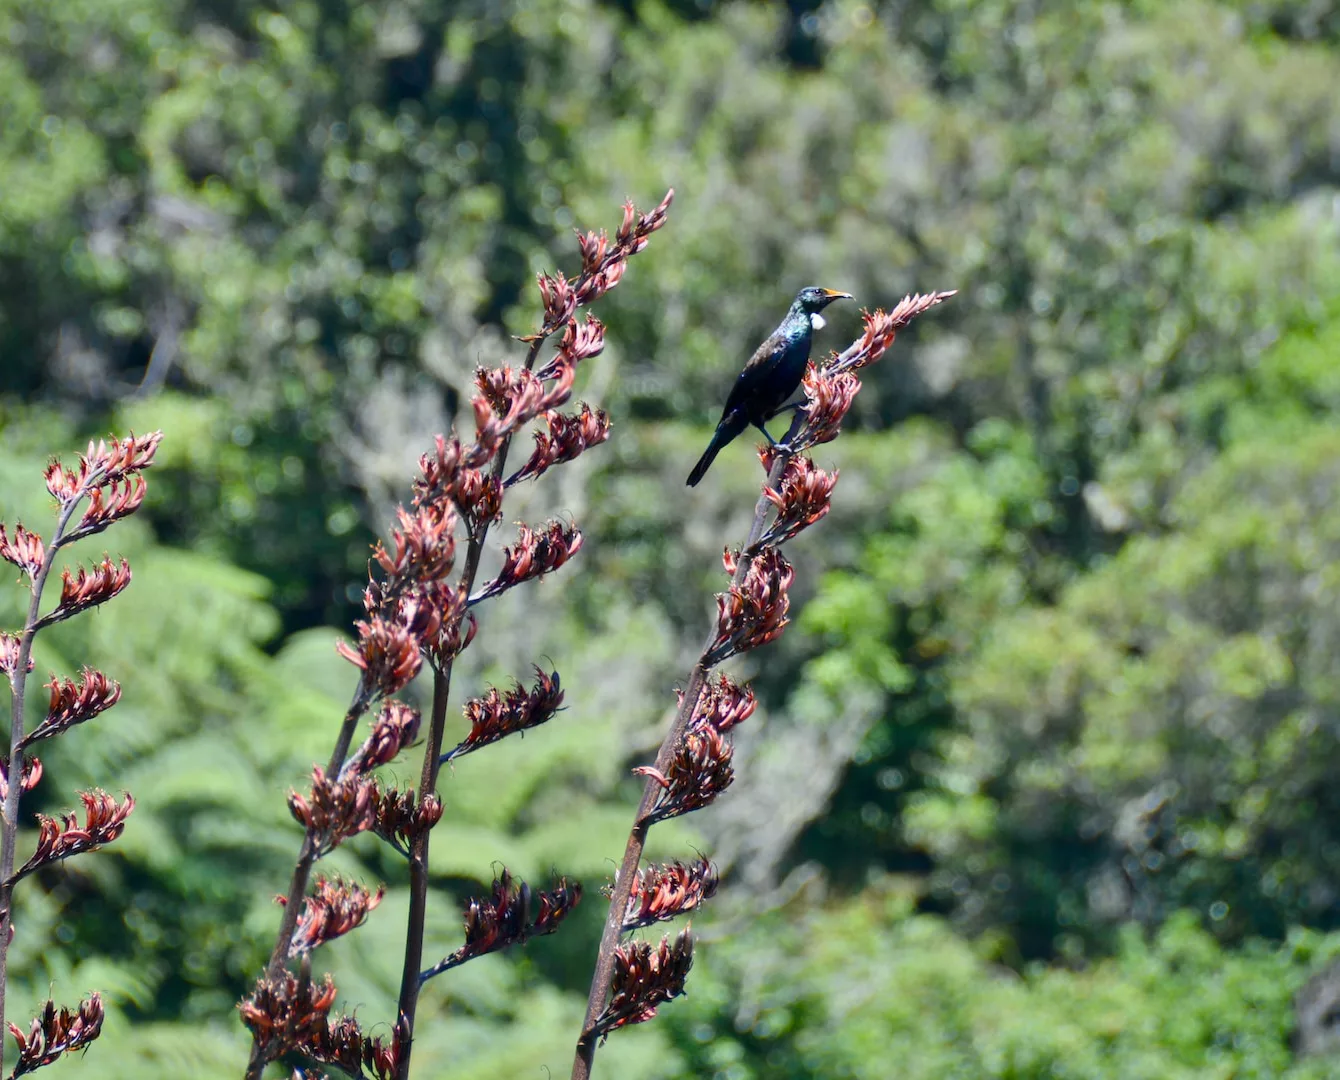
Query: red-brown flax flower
454, 638
504, 918
567, 438
722, 705
752, 613
512, 398
880, 329
341, 1043
109, 503
73, 703
646, 976
121, 457
535, 554
580, 341
335, 810
104, 821
699, 771
32, 776
104, 463
10, 647
55, 1032
285, 1012
396, 726
668, 890
802, 497
88, 589
478, 495
423, 548
495, 715
398, 818
335, 908
593, 246
557, 296
387, 652
25, 550
438, 471
828, 398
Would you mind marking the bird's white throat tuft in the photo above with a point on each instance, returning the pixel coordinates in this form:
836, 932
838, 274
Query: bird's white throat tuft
817, 321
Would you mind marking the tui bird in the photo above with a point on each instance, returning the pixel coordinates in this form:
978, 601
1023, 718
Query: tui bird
772, 374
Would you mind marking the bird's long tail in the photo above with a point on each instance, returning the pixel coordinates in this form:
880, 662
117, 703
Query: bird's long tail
728, 429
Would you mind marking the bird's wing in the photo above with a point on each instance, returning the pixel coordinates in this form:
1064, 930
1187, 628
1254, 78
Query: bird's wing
765, 359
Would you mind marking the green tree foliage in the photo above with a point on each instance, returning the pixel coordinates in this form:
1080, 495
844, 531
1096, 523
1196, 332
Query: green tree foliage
865, 990
1065, 648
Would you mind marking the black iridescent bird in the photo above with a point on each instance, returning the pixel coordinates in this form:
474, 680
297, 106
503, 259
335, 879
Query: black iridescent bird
772, 374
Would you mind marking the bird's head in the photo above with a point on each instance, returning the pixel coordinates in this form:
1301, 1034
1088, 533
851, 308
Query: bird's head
812, 300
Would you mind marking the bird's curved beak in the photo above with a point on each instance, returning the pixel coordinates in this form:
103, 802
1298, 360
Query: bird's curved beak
833, 294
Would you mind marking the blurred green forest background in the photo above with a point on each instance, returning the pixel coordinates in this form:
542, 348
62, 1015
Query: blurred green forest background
1044, 779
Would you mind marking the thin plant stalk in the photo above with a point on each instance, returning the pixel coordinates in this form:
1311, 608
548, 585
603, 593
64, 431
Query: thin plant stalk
410, 980
800, 502
637, 837
19, 683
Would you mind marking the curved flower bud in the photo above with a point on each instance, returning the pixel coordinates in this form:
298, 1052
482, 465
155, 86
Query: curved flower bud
495, 716
646, 976
504, 918
54, 1033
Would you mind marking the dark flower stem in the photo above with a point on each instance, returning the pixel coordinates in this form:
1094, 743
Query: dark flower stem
418, 854
637, 837
18, 684
302, 872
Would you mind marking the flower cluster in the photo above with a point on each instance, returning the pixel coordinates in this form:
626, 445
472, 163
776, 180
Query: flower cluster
336, 908
396, 726
88, 589
603, 264
413, 614
73, 703
880, 329
453, 474
752, 612
828, 396
11, 647
103, 463
534, 555
32, 775
646, 976
802, 497
398, 819
25, 550
580, 341
566, 439
666, 891
699, 771
104, 821
287, 1012
509, 399
504, 918
722, 705
495, 716
110, 503
55, 1032
424, 547
388, 651
342, 1043
336, 808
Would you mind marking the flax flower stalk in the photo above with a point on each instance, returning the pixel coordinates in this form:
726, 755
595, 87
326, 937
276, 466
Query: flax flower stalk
794, 497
